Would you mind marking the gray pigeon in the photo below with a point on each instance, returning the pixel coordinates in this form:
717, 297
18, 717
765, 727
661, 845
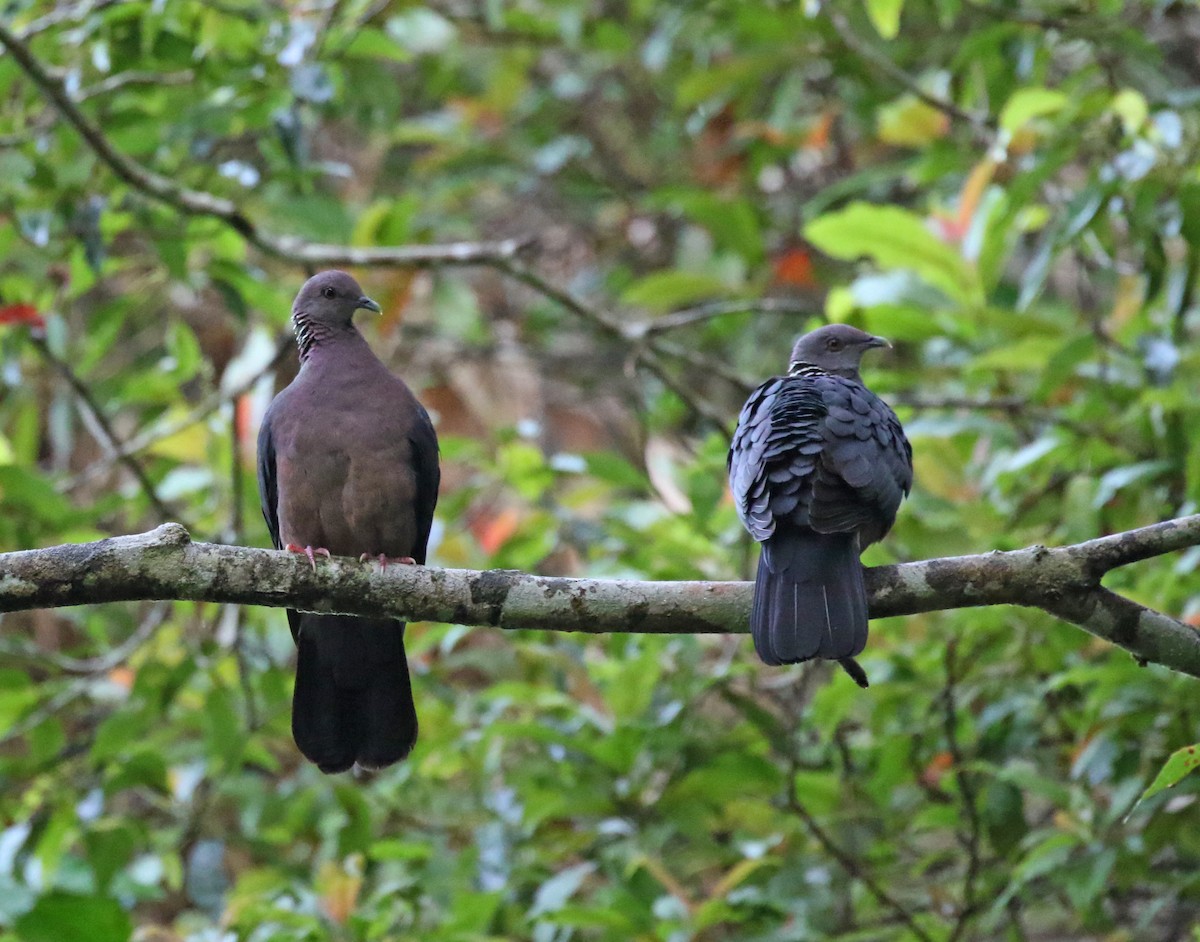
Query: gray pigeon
818, 467
348, 465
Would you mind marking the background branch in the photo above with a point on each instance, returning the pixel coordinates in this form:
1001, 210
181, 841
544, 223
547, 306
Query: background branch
503, 255
980, 123
102, 427
199, 203
166, 564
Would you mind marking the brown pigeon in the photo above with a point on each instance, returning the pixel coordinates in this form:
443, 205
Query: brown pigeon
348, 465
818, 467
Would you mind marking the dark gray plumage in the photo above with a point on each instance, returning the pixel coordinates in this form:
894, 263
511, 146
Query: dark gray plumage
348, 465
818, 467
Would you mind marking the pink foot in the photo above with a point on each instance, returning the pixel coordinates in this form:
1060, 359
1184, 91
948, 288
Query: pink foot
384, 560
308, 551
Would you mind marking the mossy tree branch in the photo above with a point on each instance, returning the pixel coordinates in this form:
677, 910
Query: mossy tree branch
165, 564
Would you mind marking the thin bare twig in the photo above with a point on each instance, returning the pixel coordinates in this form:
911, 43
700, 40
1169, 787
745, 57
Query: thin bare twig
650, 354
1010, 404
967, 792
103, 428
159, 431
125, 79
504, 255
48, 708
651, 359
852, 866
980, 123
686, 317
198, 203
101, 663
66, 13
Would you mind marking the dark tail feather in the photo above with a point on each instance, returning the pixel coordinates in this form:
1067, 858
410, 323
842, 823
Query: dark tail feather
809, 599
353, 700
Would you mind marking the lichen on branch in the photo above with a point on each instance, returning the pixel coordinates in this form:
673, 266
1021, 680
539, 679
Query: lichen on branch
166, 564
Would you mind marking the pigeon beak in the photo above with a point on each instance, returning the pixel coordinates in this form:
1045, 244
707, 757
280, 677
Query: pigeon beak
368, 304
879, 342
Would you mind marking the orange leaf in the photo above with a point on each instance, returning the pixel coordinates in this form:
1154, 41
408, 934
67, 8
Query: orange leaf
338, 890
794, 267
817, 137
395, 302
972, 192
243, 411
493, 530
938, 766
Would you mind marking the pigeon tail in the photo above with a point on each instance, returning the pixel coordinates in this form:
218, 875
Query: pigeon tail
353, 700
810, 599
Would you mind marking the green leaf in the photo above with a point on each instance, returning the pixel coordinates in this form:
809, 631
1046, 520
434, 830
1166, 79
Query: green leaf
1085, 879
1028, 103
1181, 762
665, 290
1118, 479
17, 694
222, 726
896, 238
1028, 353
110, 846
1131, 107
1045, 857
65, 917
370, 43
1003, 815
885, 16
184, 349
554, 893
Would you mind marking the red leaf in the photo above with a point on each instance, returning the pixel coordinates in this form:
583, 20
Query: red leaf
21, 314
794, 267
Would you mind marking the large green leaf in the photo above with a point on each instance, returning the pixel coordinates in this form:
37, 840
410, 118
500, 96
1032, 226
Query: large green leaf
665, 290
65, 917
896, 238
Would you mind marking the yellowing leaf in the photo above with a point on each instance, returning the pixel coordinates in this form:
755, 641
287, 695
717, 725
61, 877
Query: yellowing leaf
910, 122
1130, 106
885, 16
339, 888
1028, 103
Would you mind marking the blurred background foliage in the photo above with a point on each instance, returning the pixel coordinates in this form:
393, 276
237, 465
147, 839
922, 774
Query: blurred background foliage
1009, 191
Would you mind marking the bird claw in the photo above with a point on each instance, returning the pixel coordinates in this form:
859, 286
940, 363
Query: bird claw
384, 560
310, 552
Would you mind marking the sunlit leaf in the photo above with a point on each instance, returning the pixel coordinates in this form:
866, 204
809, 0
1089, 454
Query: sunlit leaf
1180, 763
885, 16
895, 238
1029, 103
663, 291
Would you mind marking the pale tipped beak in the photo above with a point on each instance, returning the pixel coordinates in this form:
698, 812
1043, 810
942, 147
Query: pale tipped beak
879, 342
368, 304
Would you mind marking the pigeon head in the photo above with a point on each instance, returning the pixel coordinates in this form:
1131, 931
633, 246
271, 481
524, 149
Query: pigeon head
324, 309
835, 348
331, 297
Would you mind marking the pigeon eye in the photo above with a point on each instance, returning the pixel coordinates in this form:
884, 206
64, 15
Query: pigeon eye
329, 293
